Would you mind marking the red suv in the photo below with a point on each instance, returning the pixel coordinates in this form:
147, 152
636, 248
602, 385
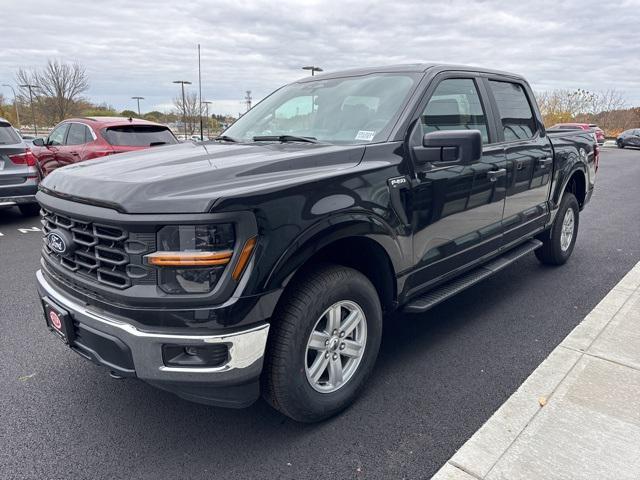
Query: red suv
587, 127
78, 139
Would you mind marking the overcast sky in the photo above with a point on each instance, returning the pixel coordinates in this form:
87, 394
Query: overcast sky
138, 48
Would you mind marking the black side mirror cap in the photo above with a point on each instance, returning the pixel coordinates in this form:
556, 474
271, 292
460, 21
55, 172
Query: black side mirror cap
38, 142
461, 147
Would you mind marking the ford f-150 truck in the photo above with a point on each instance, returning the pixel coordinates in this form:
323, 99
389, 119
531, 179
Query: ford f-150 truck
265, 260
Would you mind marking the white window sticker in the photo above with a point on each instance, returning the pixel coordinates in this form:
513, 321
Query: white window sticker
365, 135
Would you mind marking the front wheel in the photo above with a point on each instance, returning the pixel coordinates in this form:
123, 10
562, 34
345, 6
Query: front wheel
323, 344
558, 243
620, 143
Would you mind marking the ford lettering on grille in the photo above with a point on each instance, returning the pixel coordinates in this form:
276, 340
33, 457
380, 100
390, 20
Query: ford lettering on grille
56, 242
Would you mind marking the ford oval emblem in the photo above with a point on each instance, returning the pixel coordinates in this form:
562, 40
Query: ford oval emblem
56, 242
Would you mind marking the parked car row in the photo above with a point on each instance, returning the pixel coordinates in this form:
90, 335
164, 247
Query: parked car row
26, 161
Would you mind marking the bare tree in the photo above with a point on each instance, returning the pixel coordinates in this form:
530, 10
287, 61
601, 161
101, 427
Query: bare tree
58, 87
190, 110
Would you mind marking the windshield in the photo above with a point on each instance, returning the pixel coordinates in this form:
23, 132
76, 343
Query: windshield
349, 110
139, 135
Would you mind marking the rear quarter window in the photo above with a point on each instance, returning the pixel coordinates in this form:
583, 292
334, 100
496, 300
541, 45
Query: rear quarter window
139, 135
8, 135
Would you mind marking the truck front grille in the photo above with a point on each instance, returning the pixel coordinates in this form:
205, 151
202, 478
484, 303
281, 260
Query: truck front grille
98, 251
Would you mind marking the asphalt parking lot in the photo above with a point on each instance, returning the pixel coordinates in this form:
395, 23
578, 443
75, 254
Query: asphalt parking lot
438, 378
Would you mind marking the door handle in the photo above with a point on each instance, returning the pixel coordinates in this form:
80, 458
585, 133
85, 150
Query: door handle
494, 175
545, 162
76, 154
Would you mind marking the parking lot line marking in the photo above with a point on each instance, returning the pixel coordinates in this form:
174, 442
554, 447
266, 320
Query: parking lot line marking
30, 229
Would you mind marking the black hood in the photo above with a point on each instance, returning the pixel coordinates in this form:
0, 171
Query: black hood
190, 177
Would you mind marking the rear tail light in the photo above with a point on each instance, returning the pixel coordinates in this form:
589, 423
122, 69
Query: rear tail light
26, 158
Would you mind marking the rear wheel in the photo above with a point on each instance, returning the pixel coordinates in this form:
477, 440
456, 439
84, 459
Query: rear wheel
29, 209
323, 344
558, 242
620, 143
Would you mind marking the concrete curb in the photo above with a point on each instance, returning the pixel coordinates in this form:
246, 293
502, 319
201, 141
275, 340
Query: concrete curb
608, 337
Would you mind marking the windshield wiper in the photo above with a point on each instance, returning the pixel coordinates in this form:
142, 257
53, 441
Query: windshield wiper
226, 138
284, 138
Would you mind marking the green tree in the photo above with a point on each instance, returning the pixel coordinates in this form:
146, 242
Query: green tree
129, 114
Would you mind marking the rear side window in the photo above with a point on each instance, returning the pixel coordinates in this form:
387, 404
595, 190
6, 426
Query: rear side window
518, 121
78, 134
8, 135
455, 105
139, 136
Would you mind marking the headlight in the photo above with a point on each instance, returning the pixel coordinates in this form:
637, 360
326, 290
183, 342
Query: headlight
192, 258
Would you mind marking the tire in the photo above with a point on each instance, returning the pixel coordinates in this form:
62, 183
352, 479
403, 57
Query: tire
286, 382
620, 143
29, 209
555, 249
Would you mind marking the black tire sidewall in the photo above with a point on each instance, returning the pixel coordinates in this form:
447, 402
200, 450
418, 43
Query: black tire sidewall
314, 405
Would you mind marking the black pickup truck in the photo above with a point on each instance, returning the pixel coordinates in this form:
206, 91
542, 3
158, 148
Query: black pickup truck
264, 261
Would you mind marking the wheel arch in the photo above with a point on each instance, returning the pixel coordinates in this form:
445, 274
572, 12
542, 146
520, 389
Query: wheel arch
366, 244
577, 184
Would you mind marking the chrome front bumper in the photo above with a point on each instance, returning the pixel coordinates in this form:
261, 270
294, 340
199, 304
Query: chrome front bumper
244, 362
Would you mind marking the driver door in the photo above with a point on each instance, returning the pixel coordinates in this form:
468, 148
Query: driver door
457, 209
48, 155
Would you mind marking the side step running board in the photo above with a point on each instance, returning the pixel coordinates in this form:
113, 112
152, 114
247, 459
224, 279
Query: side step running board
441, 293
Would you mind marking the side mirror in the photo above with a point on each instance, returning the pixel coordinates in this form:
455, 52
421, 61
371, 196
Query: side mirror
38, 142
461, 147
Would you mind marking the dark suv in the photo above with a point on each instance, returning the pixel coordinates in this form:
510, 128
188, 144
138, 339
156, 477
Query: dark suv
18, 173
629, 138
264, 261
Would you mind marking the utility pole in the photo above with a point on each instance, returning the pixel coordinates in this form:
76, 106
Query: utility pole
247, 100
15, 102
200, 93
184, 105
206, 104
138, 99
313, 69
33, 112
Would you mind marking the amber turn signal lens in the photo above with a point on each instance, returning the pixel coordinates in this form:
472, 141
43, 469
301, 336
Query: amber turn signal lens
245, 255
189, 259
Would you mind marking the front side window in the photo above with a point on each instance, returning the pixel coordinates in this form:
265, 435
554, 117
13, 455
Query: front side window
455, 105
57, 136
78, 134
348, 111
518, 121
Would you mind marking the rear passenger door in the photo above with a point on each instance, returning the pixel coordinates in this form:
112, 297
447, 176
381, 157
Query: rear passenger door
457, 209
529, 158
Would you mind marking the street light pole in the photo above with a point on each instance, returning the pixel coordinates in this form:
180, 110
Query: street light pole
200, 93
138, 99
206, 105
184, 105
15, 102
313, 69
33, 112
